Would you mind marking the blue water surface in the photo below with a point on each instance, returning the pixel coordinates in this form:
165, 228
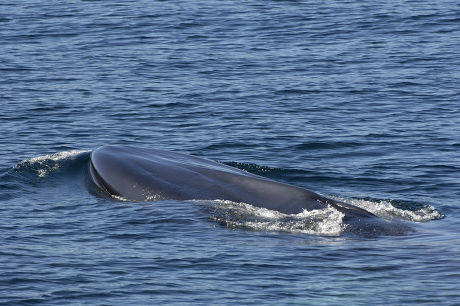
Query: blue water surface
356, 100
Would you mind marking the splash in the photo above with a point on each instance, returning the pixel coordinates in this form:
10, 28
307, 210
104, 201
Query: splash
44, 165
325, 222
119, 198
385, 209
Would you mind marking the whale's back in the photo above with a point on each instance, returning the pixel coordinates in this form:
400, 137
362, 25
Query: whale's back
151, 174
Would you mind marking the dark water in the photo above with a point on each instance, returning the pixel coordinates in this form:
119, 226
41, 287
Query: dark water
354, 100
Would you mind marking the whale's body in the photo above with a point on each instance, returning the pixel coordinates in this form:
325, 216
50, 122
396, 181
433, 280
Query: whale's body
142, 174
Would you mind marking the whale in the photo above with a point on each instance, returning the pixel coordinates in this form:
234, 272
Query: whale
146, 174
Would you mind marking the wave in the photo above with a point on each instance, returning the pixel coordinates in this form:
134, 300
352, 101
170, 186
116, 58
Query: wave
46, 164
42, 175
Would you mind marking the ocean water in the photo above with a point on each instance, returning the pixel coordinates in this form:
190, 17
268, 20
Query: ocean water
356, 100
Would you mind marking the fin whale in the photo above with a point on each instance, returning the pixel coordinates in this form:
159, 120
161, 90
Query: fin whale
142, 174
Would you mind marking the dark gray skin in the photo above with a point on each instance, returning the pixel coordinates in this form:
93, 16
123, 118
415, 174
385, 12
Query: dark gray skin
147, 174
